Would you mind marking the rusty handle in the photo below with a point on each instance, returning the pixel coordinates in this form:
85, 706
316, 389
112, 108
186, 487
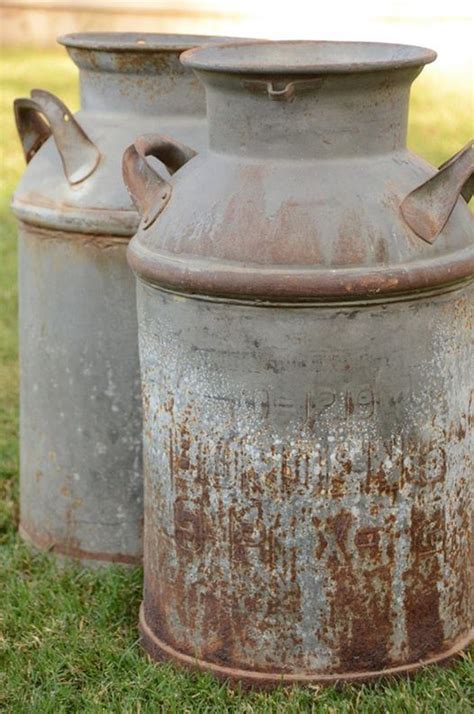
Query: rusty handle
149, 191
44, 115
428, 207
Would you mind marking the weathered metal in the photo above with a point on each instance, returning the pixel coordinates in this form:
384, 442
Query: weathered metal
307, 374
428, 207
81, 468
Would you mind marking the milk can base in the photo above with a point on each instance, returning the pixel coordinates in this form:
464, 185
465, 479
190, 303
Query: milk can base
159, 650
63, 552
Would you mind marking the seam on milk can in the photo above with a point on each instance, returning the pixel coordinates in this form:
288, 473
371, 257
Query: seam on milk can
122, 223
99, 240
409, 296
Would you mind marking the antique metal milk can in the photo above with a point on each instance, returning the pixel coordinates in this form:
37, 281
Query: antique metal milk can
305, 320
81, 471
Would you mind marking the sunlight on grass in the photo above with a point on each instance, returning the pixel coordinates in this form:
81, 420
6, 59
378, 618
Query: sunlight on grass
441, 117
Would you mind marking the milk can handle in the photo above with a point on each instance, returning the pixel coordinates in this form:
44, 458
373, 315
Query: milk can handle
428, 207
44, 115
149, 191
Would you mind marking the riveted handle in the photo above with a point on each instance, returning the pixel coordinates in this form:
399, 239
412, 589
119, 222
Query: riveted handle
44, 115
149, 191
427, 209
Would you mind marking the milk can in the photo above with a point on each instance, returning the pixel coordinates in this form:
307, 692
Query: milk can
80, 420
305, 314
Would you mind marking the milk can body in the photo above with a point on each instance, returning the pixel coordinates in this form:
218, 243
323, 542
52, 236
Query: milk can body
80, 411
305, 321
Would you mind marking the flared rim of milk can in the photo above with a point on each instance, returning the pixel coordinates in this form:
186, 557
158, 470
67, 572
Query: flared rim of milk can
138, 41
300, 57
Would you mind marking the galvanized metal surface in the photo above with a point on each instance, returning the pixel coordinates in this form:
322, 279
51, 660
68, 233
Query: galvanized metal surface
80, 426
80, 422
308, 481
307, 372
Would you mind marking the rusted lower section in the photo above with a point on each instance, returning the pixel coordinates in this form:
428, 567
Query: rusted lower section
308, 476
425, 634
160, 650
69, 550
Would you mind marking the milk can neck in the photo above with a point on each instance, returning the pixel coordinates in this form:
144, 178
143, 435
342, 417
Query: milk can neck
151, 83
306, 117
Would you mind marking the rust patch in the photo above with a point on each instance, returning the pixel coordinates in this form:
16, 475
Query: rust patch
70, 550
361, 605
424, 626
349, 249
360, 558
161, 651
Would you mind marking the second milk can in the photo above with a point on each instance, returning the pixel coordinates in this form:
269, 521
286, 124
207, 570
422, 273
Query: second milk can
305, 304
80, 415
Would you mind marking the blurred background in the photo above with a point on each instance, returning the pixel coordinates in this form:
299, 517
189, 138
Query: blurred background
27, 26
441, 109
446, 26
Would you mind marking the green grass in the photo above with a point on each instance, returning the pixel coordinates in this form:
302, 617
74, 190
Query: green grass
68, 638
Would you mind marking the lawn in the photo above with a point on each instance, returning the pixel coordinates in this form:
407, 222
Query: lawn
68, 637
